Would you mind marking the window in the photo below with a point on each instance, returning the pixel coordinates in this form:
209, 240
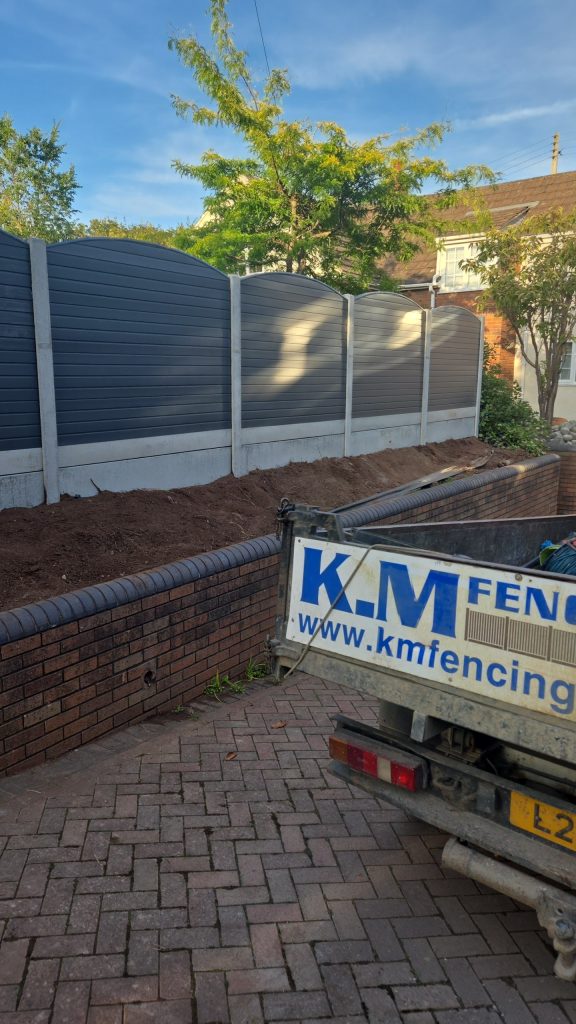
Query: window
568, 371
454, 278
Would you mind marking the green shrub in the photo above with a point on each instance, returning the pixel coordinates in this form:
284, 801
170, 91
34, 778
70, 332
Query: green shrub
506, 420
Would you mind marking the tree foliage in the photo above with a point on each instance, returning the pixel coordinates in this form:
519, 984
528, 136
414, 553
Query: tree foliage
306, 197
108, 227
530, 273
36, 195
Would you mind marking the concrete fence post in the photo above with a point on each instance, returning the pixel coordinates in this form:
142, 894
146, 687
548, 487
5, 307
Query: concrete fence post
236, 376
349, 378
426, 375
479, 381
45, 368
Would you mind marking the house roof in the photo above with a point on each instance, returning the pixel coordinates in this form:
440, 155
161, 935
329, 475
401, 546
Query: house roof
508, 201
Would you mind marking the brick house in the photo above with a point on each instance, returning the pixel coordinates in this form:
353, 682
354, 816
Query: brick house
509, 202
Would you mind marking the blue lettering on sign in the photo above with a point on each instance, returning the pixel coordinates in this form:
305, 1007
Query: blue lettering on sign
410, 608
314, 578
312, 626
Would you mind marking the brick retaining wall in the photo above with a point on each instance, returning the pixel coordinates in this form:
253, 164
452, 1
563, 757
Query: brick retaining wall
567, 485
77, 666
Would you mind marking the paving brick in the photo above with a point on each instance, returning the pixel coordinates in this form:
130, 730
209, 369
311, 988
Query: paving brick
343, 952
229, 959
211, 999
465, 983
295, 1006
145, 876
86, 967
266, 946
261, 979
510, 1003
112, 932
342, 990
273, 912
63, 945
84, 913
71, 1002
13, 961
174, 1011
380, 1007
40, 985
378, 975
175, 979
124, 990
143, 953
424, 963
346, 920
501, 966
312, 902
303, 967
424, 997
308, 931
245, 1008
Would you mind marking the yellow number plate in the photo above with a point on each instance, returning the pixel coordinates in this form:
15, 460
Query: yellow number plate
551, 823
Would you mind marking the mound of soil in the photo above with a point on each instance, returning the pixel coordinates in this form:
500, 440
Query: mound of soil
53, 549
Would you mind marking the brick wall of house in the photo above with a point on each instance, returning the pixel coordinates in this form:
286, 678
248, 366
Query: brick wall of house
78, 666
497, 331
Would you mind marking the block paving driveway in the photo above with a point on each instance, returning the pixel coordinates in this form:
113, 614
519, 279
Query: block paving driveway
215, 872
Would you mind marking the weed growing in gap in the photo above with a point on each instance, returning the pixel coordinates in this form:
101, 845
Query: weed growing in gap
220, 685
256, 669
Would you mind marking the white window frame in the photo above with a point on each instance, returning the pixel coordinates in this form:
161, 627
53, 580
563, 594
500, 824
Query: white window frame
466, 242
572, 371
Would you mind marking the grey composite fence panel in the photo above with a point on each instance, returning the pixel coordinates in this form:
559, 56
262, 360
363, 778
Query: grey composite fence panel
19, 409
388, 355
293, 350
454, 343
141, 338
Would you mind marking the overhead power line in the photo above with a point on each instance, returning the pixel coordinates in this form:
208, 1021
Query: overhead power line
518, 154
528, 154
261, 34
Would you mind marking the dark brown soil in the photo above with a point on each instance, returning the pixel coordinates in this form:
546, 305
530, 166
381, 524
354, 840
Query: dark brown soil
53, 549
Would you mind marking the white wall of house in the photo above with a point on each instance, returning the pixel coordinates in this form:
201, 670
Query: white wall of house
565, 406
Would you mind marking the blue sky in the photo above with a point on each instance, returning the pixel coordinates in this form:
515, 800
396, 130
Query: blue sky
503, 73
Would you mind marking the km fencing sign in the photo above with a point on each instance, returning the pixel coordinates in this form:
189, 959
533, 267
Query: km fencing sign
490, 632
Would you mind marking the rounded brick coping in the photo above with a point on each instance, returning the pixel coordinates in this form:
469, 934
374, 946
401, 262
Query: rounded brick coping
385, 508
18, 623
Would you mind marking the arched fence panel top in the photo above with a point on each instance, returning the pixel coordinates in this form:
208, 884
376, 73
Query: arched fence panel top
388, 355
145, 254
391, 300
141, 338
293, 350
441, 312
19, 405
455, 353
297, 281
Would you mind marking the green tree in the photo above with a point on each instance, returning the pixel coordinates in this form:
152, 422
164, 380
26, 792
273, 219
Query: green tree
107, 227
506, 420
306, 197
530, 273
36, 195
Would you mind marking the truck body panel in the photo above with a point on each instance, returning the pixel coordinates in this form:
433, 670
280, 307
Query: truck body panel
470, 648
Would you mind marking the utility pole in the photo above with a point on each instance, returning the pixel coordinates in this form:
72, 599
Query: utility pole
555, 153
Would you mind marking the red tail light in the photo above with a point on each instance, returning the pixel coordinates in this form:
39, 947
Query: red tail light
405, 776
407, 773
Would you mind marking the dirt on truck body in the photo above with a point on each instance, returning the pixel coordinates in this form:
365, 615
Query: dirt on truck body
470, 646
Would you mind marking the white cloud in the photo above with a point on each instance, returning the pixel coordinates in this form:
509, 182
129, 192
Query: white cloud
517, 114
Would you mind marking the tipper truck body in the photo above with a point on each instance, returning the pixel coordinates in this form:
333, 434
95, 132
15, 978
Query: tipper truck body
469, 645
